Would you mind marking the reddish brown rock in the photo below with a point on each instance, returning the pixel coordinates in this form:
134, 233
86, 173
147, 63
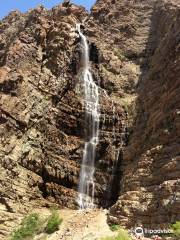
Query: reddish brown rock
42, 114
150, 186
134, 54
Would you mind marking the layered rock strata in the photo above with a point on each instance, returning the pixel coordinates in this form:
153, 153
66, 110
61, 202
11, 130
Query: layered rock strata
150, 186
134, 54
42, 115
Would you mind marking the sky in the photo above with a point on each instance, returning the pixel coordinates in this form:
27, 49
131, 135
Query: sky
23, 5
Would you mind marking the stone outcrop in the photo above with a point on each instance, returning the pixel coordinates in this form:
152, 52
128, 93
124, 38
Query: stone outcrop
134, 54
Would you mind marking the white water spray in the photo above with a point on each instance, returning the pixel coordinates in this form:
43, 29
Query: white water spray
86, 184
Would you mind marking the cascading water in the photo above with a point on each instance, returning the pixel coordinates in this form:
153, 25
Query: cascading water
92, 115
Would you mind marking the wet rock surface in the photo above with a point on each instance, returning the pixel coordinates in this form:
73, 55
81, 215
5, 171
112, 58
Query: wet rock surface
134, 54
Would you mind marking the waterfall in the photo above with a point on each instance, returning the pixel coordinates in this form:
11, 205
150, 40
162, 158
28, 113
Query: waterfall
86, 187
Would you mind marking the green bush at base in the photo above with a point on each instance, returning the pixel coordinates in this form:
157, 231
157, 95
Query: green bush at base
176, 229
53, 222
33, 225
114, 227
28, 228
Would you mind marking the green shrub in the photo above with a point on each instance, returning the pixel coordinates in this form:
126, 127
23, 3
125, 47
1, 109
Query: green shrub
114, 227
122, 235
176, 229
53, 222
28, 228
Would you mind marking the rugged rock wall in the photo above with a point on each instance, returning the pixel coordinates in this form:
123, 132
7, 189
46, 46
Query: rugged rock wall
134, 52
150, 186
42, 115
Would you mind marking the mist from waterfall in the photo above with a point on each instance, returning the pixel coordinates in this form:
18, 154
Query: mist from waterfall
86, 187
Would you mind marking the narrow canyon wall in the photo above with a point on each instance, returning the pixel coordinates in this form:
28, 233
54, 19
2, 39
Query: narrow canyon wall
134, 54
150, 186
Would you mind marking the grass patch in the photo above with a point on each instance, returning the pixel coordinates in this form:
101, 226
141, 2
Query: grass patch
53, 222
176, 229
28, 228
122, 235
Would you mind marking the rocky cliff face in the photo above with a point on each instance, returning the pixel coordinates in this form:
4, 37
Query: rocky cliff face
150, 185
43, 117
134, 54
